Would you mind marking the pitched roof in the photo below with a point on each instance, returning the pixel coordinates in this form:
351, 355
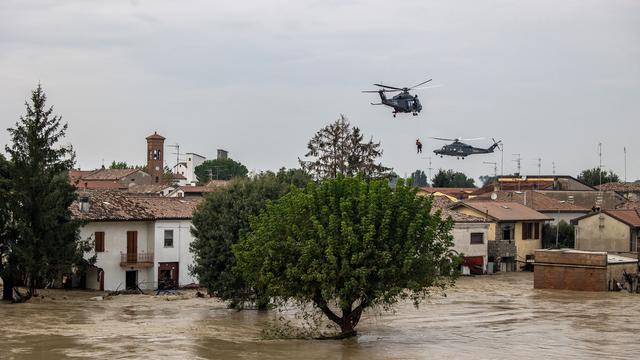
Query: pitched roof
148, 188
534, 200
630, 217
443, 204
504, 211
621, 186
110, 174
155, 136
106, 205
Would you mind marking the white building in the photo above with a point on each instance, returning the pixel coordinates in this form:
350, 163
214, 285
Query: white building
187, 168
470, 235
140, 241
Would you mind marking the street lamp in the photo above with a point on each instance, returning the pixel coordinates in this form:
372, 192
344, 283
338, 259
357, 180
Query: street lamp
558, 221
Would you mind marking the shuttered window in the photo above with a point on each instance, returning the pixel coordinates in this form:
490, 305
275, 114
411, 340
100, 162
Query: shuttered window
536, 227
477, 238
99, 237
527, 231
168, 238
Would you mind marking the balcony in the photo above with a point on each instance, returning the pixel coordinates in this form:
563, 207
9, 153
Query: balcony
136, 260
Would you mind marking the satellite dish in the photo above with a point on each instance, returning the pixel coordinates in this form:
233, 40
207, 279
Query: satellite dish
494, 196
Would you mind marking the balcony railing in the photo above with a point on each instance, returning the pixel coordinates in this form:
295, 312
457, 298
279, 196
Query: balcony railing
136, 260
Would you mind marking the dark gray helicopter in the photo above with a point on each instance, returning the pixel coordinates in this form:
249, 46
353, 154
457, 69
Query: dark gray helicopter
461, 150
401, 103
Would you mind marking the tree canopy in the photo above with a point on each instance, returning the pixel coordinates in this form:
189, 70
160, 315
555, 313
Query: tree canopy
347, 244
218, 223
44, 240
419, 178
339, 148
591, 177
220, 169
450, 178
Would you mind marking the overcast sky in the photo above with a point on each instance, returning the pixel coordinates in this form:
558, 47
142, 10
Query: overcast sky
551, 78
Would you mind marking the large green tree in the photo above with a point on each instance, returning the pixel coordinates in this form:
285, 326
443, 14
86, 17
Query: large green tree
348, 244
339, 148
220, 169
45, 239
218, 223
5, 222
592, 177
450, 178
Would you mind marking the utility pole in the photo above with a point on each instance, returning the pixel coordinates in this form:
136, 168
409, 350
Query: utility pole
495, 167
502, 159
553, 164
600, 164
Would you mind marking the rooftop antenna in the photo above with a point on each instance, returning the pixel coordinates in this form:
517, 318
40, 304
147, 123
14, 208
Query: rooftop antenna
495, 167
429, 168
502, 159
539, 165
518, 159
625, 164
600, 164
553, 164
176, 146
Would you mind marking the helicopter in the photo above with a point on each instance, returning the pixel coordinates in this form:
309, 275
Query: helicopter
461, 150
401, 103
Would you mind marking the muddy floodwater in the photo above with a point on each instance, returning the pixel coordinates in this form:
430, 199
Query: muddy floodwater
487, 317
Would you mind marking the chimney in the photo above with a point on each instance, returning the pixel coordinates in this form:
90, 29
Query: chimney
222, 154
84, 204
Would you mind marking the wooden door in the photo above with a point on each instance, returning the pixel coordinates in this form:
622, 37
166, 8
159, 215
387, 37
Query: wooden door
132, 246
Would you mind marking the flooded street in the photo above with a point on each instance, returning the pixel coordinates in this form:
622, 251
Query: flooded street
497, 317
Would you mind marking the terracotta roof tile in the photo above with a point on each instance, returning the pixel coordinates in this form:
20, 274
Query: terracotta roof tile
629, 217
621, 186
504, 211
107, 205
109, 174
534, 200
443, 204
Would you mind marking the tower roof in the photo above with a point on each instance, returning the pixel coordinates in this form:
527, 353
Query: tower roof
155, 136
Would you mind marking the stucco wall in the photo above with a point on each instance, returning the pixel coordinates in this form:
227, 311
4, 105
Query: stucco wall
179, 252
526, 247
462, 239
566, 216
115, 240
613, 236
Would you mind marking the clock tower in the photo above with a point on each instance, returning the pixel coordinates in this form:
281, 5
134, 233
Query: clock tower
155, 157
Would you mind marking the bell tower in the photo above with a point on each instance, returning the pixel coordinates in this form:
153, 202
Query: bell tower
155, 157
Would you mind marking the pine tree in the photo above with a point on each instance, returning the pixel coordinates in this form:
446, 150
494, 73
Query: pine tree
339, 149
45, 240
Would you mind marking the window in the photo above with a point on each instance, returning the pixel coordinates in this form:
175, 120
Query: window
168, 238
99, 237
477, 238
530, 231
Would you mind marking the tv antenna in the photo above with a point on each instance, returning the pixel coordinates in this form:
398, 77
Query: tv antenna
495, 167
176, 146
429, 168
518, 160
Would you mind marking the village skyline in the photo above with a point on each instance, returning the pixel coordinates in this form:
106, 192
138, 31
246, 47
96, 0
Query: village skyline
259, 82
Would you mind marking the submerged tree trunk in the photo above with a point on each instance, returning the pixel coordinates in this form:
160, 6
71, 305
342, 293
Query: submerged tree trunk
349, 319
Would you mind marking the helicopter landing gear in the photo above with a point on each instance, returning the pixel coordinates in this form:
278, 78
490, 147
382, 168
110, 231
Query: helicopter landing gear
394, 114
415, 114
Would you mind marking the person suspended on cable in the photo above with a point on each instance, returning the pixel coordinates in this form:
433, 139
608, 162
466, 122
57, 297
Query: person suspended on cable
418, 146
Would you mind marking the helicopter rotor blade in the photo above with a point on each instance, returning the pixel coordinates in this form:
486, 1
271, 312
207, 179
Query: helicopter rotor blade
427, 87
472, 139
443, 139
370, 91
387, 86
422, 83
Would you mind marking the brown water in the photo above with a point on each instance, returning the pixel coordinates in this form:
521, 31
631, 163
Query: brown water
488, 317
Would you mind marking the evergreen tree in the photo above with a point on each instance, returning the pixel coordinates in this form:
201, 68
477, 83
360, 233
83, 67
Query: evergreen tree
419, 178
45, 240
339, 149
5, 223
452, 179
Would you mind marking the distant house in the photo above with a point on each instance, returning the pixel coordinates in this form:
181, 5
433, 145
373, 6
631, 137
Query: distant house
452, 193
197, 191
515, 230
140, 241
109, 178
187, 168
470, 234
553, 208
630, 190
559, 187
608, 230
